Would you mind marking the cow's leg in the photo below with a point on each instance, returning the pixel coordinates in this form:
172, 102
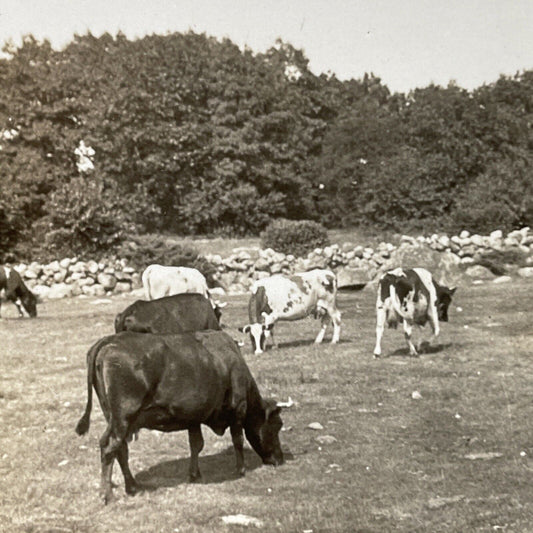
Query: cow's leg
408, 332
238, 442
434, 319
196, 444
108, 452
335, 315
381, 316
129, 480
324, 325
20, 307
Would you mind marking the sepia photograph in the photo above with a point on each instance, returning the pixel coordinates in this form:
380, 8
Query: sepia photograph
266, 266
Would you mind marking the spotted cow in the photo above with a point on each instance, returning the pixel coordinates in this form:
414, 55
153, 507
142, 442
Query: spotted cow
281, 297
411, 297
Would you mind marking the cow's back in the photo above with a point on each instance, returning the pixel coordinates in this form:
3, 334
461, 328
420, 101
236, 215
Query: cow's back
160, 280
176, 314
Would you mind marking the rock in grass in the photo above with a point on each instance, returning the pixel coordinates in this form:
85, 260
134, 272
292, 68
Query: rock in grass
483, 456
317, 426
242, 520
438, 502
326, 439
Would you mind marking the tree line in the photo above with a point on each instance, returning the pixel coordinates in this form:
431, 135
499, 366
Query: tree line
193, 135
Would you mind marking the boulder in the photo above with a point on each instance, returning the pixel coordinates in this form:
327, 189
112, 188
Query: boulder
479, 272
525, 272
352, 277
107, 281
60, 290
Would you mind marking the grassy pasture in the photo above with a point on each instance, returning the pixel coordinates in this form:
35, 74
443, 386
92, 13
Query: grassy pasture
396, 464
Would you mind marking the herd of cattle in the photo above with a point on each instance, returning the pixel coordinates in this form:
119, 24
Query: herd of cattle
170, 367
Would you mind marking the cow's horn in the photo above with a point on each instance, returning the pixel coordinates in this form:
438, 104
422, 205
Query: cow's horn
221, 304
286, 404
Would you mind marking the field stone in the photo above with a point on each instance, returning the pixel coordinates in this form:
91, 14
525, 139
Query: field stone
317, 426
479, 272
525, 272
60, 290
502, 279
107, 281
242, 520
483, 456
325, 439
438, 502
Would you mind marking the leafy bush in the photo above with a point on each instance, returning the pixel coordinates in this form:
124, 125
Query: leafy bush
83, 219
141, 251
500, 198
297, 237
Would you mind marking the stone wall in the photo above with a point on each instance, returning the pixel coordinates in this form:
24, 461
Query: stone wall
451, 259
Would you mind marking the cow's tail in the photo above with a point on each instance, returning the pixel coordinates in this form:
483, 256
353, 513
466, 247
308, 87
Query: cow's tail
85, 421
257, 304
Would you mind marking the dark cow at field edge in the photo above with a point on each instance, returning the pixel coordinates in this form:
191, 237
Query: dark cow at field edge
172, 383
17, 292
411, 297
292, 298
180, 313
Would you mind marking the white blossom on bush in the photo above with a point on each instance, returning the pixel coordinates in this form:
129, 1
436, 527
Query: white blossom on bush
84, 156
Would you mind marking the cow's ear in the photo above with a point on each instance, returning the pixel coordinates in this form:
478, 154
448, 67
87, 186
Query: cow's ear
245, 329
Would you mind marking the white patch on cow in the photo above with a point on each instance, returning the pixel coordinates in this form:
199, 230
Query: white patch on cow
7, 270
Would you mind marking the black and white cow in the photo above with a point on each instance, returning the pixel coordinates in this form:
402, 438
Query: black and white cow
17, 292
293, 297
411, 297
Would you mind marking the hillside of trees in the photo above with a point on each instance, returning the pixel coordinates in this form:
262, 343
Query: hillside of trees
192, 135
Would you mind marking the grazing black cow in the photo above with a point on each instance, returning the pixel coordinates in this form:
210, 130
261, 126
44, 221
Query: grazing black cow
17, 292
172, 314
411, 297
173, 383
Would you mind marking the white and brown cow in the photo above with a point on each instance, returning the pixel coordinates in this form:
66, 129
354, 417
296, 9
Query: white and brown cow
411, 297
159, 281
293, 297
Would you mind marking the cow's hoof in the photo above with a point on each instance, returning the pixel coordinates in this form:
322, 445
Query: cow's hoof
132, 489
414, 354
108, 498
241, 472
195, 478
377, 355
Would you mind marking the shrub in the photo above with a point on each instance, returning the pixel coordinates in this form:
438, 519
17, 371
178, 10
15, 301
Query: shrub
83, 218
297, 237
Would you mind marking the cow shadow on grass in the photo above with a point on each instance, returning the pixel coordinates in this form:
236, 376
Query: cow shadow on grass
423, 349
306, 342
215, 468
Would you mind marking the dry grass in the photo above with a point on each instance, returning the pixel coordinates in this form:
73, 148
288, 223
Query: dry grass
398, 464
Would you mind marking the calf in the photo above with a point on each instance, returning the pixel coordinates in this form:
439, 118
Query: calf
172, 314
17, 292
292, 298
411, 297
173, 383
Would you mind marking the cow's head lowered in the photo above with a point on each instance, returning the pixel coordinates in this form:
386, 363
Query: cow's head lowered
444, 298
263, 433
259, 333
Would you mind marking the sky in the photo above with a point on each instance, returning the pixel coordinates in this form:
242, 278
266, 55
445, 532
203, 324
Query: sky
407, 43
